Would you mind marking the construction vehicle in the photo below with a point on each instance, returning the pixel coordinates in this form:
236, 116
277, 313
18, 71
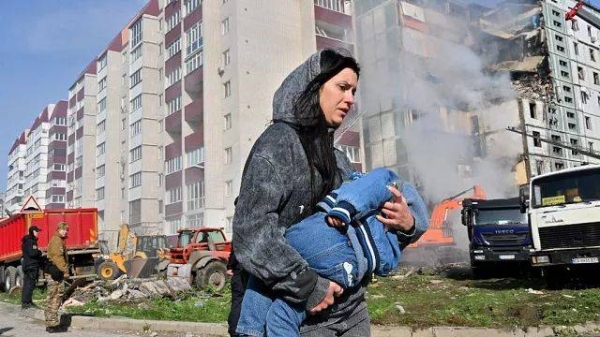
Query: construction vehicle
499, 236
437, 244
81, 241
200, 257
136, 255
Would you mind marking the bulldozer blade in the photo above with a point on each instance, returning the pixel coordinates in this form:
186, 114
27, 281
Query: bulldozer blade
141, 268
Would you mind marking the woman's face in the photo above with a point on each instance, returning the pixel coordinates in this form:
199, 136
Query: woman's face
336, 96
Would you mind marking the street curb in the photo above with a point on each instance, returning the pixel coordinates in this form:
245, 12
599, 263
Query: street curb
220, 329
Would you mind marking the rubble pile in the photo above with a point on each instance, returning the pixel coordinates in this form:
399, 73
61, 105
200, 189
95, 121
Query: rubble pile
126, 289
533, 87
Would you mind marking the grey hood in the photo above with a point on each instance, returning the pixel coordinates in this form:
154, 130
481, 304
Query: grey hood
293, 85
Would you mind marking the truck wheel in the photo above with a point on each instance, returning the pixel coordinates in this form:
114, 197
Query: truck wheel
9, 278
108, 270
19, 277
212, 275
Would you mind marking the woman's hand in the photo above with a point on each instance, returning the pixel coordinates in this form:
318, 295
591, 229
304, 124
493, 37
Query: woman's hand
335, 222
397, 213
334, 290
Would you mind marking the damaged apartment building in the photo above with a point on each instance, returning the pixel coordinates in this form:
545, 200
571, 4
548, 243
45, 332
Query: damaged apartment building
551, 51
444, 80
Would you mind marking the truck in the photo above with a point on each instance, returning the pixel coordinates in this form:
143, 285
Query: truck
564, 215
81, 241
200, 257
498, 233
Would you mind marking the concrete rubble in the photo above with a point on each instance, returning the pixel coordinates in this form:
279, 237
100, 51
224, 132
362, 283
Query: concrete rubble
127, 289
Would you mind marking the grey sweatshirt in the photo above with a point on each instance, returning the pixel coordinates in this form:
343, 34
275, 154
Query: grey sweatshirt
275, 194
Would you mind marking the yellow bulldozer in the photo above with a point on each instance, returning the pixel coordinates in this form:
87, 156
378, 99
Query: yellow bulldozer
136, 255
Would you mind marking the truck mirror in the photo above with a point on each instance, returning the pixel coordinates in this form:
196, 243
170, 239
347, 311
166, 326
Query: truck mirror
464, 217
522, 202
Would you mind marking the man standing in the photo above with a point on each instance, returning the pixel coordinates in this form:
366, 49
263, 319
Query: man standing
58, 268
32, 258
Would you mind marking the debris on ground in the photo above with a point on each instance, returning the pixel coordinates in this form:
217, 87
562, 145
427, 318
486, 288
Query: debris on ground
127, 289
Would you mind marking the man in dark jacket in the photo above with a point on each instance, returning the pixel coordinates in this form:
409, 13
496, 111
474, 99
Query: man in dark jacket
32, 261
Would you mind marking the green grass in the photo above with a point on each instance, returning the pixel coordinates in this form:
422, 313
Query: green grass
428, 300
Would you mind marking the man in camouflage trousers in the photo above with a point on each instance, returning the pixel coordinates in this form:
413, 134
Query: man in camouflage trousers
58, 270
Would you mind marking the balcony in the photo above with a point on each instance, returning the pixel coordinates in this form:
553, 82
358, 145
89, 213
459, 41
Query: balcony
330, 35
193, 82
173, 180
174, 209
194, 111
333, 17
173, 122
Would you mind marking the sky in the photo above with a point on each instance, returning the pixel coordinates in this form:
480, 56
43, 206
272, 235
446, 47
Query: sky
45, 45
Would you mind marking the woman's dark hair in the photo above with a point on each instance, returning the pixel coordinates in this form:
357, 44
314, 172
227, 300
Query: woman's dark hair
316, 139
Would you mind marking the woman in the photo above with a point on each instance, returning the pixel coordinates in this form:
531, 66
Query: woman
291, 167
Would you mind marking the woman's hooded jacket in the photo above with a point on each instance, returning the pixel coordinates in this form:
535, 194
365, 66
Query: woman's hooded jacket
275, 194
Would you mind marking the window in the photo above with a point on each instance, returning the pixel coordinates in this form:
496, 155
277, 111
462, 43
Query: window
532, 110
560, 49
589, 30
102, 62
173, 165
174, 195
334, 5
136, 103
227, 89
136, 53
557, 24
228, 155
173, 20
135, 154
58, 198
195, 157
591, 146
229, 188
537, 142
100, 193
102, 84
190, 5
101, 149
562, 63
135, 78
135, 179
100, 127
588, 122
59, 167
570, 115
173, 48
584, 96
592, 55
102, 105
136, 33
352, 152
195, 194
173, 77
576, 48
575, 144
571, 126
580, 73
226, 58
193, 39
558, 37
225, 26
227, 120
596, 78
559, 165
174, 105
100, 171
135, 128
539, 166
60, 121
557, 150
193, 62
564, 73
123, 123
566, 88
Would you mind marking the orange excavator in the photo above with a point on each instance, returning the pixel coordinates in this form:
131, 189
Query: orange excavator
437, 244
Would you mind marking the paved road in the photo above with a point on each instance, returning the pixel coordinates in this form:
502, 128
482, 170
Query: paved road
14, 324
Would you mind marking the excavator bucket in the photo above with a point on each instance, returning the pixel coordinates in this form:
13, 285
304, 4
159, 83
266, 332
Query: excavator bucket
141, 268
